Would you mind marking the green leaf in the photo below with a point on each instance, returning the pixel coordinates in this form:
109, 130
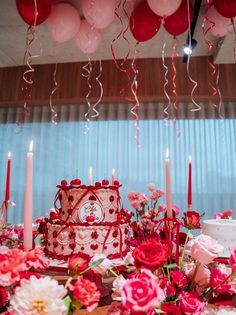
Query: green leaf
94, 264
77, 304
67, 301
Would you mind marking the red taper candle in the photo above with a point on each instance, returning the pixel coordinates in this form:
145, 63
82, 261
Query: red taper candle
8, 178
190, 183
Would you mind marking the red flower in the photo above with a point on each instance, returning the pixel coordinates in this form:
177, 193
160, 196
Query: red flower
170, 290
232, 259
179, 279
78, 262
190, 304
170, 309
192, 220
150, 254
86, 292
3, 297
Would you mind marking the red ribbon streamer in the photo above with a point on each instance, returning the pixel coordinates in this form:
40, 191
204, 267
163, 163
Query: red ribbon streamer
96, 113
174, 74
87, 74
165, 84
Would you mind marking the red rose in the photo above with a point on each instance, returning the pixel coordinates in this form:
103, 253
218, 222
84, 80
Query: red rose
190, 304
192, 220
170, 309
179, 279
150, 254
170, 290
78, 262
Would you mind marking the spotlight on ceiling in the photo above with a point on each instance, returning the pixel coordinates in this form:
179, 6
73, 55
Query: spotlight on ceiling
189, 47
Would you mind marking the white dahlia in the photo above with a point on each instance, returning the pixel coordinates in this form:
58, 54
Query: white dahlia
42, 296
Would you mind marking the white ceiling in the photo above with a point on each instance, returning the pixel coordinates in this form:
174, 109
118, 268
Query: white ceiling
13, 35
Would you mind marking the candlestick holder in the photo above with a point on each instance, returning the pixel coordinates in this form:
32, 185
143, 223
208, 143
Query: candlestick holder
189, 207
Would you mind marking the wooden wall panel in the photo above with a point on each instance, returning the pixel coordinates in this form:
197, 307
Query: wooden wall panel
72, 87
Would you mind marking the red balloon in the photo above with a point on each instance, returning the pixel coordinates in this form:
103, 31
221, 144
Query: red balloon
177, 23
26, 9
144, 23
226, 8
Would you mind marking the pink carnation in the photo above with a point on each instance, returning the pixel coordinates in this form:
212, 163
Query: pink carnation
156, 194
190, 303
141, 295
232, 259
86, 292
137, 199
36, 259
12, 264
227, 214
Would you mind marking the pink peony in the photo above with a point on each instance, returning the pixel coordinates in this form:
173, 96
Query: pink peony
36, 259
86, 292
232, 259
227, 214
141, 295
217, 277
205, 249
156, 194
190, 304
12, 264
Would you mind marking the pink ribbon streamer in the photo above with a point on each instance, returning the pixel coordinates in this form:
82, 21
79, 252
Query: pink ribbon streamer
96, 113
53, 112
167, 115
175, 102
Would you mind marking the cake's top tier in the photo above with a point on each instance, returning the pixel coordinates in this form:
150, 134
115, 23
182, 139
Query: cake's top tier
98, 204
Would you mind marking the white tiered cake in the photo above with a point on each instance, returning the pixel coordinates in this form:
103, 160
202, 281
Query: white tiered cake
222, 230
89, 219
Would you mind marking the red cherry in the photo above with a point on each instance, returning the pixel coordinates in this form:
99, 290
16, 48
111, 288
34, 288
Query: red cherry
90, 219
97, 184
75, 182
105, 182
116, 183
54, 216
63, 182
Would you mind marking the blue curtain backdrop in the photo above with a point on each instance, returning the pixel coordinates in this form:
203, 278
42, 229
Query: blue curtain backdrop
63, 151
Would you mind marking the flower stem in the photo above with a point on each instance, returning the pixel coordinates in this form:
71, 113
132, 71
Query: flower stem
194, 275
113, 272
184, 248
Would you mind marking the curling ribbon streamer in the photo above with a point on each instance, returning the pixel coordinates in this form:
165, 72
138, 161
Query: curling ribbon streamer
28, 58
134, 90
219, 92
87, 74
96, 113
53, 112
122, 33
174, 74
209, 43
195, 84
167, 116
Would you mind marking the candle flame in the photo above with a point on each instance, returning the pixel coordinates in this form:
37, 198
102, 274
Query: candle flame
113, 171
190, 158
167, 153
90, 171
9, 155
31, 145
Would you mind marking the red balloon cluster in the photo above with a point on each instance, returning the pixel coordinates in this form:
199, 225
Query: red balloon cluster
30, 15
144, 23
227, 8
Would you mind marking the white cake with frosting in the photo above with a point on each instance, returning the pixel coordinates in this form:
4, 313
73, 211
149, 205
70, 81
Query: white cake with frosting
222, 230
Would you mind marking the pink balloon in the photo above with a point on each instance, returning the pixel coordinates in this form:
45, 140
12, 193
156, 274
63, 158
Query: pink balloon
88, 38
99, 13
63, 22
222, 25
164, 7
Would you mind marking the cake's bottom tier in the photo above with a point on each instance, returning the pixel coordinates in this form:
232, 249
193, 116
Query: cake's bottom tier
62, 241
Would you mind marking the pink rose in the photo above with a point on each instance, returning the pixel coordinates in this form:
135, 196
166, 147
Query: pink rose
190, 304
217, 277
227, 214
232, 259
142, 294
205, 249
202, 276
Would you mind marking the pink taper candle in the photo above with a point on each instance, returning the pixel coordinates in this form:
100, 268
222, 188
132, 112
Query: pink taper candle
113, 176
28, 201
189, 183
168, 187
90, 176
